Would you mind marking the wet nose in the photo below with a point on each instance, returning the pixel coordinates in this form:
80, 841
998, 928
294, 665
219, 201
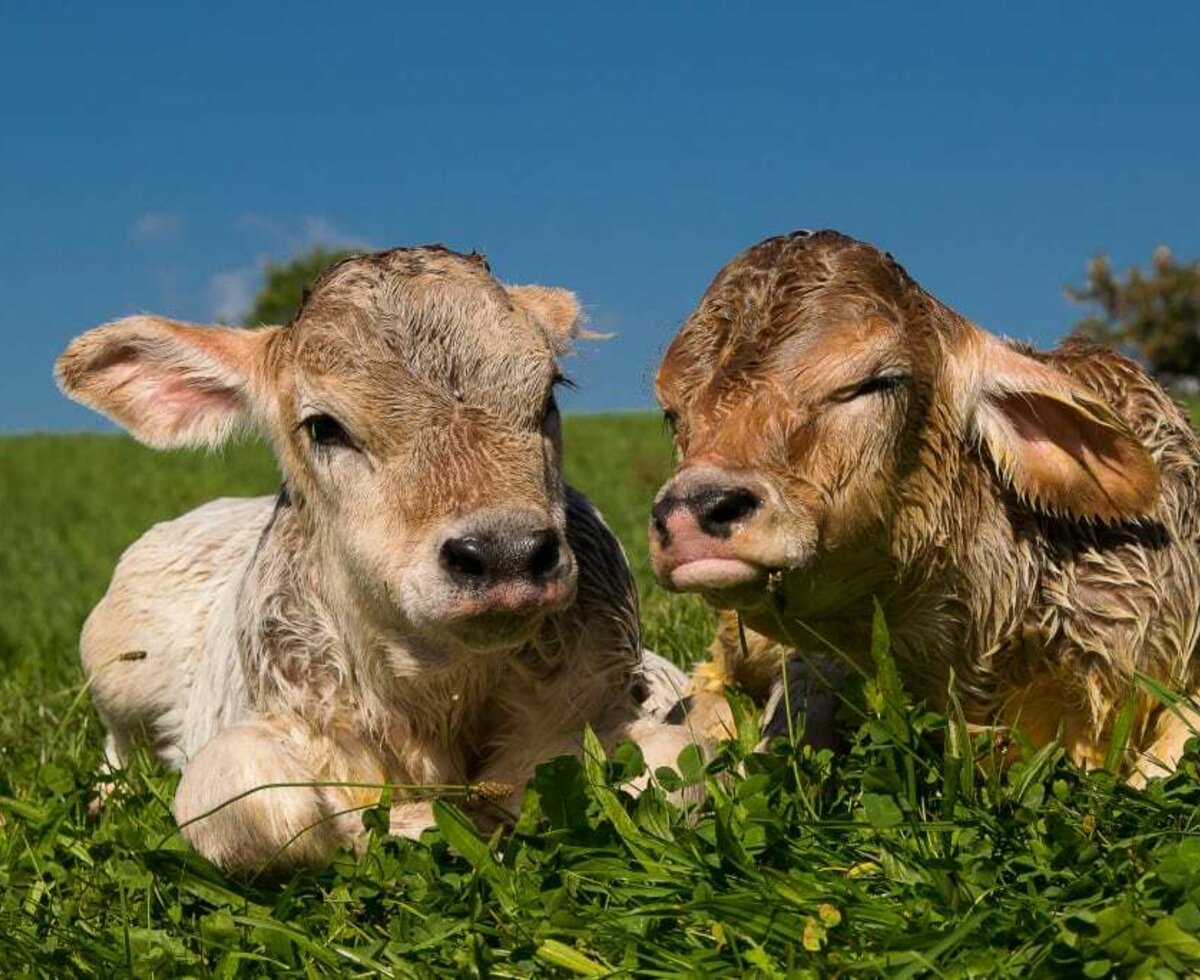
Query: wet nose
716, 509
481, 559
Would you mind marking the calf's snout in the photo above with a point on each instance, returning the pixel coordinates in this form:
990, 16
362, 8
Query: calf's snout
504, 568
699, 526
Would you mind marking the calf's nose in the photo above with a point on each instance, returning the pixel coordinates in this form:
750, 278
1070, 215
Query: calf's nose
714, 509
484, 558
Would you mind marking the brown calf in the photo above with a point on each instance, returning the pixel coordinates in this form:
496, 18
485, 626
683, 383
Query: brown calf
1027, 520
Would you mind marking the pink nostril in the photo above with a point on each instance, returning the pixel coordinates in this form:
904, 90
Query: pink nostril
677, 527
682, 523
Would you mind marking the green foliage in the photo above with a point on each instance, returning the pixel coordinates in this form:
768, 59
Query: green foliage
1156, 314
910, 854
285, 283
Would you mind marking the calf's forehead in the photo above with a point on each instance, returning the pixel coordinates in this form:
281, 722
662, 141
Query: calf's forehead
413, 322
820, 301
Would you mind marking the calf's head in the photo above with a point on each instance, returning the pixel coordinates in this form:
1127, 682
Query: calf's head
411, 406
822, 405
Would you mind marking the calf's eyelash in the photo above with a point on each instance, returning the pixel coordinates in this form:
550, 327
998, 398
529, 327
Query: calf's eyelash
882, 382
326, 432
879, 384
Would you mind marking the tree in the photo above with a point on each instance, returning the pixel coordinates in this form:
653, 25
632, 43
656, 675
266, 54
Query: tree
1154, 314
285, 283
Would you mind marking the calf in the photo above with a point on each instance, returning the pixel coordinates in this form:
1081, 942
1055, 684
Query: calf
1028, 521
424, 602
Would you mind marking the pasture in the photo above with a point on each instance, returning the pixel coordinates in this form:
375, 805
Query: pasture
908, 856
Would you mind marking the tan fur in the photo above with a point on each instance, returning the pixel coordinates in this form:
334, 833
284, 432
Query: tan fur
321, 636
1028, 520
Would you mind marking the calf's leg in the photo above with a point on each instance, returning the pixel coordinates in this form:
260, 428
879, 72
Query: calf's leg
660, 744
665, 685
248, 803
1175, 725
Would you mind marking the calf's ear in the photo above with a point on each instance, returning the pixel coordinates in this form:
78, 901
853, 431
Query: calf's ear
1058, 445
169, 384
555, 310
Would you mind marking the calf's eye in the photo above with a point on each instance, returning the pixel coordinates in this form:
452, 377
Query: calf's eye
879, 384
326, 431
550, 411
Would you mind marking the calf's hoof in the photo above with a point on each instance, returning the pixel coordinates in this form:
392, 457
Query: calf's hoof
410, 820
661, 745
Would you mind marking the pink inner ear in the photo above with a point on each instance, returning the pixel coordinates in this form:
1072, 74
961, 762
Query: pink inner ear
186, 403
169, 384
1052, 434
1060, 427
162, 405
1065, 459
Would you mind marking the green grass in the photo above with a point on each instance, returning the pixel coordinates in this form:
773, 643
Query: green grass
906, 856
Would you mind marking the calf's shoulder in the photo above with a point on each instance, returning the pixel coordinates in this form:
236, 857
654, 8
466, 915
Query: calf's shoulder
166, 582
147, 643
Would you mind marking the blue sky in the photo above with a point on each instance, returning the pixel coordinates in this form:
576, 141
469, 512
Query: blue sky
151, 157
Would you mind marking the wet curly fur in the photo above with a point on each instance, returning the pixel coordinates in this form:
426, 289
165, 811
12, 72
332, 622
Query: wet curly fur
1029, 521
